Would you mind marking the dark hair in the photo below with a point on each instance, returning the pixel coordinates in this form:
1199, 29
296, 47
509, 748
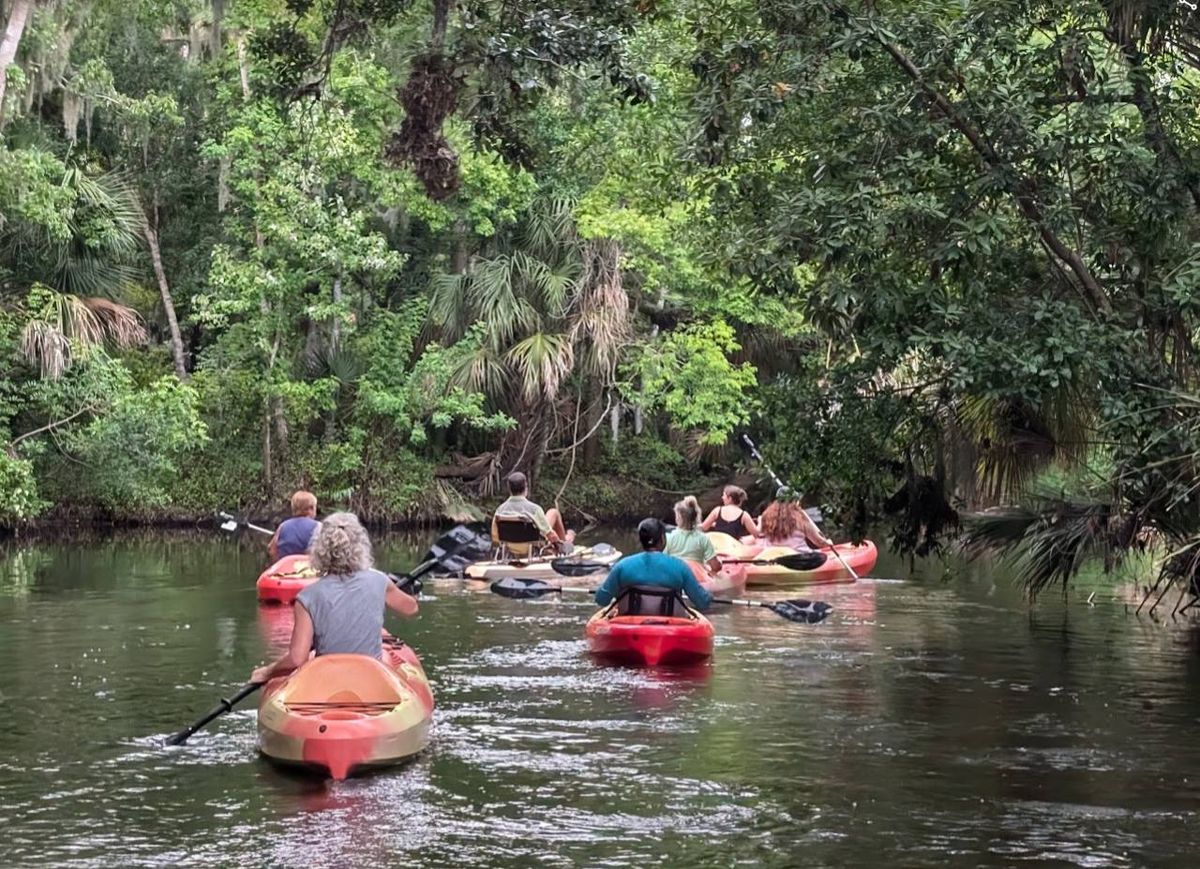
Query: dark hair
652, 533
517, 484
736, 494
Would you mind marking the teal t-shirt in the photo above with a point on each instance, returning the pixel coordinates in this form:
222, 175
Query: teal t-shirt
693, 545
653, 568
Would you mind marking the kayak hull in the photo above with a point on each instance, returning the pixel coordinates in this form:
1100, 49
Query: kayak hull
343, 714
286, 578
730, 580
540, 569
861, 557
650, 641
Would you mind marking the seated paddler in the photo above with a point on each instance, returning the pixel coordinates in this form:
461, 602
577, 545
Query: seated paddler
653, 567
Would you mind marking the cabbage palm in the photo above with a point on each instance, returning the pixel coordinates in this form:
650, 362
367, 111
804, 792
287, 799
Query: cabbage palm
549, 308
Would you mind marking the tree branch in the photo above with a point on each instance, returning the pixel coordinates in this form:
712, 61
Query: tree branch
48, 427
1022, 188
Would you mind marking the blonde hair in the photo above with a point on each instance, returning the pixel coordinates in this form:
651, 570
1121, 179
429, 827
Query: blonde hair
736, 494
687, 513
340, 546
304, 503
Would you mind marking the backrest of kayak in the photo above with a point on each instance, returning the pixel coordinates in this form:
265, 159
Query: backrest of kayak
344, 679
650, 600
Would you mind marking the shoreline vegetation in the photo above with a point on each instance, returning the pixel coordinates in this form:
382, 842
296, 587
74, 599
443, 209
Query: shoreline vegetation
939, 260
611, 502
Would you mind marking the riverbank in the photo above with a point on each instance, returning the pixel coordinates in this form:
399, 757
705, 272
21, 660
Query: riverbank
588, 499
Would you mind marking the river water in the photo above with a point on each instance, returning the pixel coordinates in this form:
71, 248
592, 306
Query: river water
926, 723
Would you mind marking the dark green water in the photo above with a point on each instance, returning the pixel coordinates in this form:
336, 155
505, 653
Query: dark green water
924, 724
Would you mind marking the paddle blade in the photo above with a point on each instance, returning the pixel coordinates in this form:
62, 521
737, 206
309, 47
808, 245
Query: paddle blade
231, 525
571, 567
522, 589
220, 709
801, 560
808, 612
411, 585
457, 548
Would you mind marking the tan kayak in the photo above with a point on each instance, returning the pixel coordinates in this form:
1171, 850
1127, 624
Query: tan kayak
541, 568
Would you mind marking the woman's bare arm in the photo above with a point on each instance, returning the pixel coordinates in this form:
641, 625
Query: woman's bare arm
298, 651
399, 602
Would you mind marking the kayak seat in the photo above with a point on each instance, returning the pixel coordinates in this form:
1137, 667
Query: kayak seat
516, 537
651, 600
344, 680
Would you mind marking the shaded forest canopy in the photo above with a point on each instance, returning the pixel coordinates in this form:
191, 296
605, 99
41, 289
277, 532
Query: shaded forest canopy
939, 258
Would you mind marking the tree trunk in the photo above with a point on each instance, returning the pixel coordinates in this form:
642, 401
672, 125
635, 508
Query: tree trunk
1152, 126
9, 43
615, 422
218, 16
441, 18
459, 259
164, 290
243, 67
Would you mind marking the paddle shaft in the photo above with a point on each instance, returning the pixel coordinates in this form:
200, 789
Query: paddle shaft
249, 525
845, 564
737, 601
758, 458
217, 711
814, 513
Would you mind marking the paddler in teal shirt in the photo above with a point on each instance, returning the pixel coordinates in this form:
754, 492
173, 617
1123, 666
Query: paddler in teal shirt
654, 568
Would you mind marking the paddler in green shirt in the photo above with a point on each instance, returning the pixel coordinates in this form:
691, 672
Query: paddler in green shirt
687, 541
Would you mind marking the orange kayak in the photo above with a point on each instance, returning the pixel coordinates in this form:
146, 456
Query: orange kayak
650, 641
861, 557
286, 578
342, 714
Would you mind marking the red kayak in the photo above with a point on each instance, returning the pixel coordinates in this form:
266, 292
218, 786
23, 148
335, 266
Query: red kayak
286, 578
650, 640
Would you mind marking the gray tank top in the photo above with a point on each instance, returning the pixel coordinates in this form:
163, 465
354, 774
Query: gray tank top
347, 613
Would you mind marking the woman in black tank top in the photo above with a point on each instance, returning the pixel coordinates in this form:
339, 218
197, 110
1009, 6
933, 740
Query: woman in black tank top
735, 526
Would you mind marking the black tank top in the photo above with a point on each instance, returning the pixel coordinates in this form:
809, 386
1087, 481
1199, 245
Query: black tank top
732, 527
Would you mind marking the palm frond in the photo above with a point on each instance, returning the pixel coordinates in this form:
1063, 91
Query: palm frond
542, 361
90, 322
449, 306
549, 227
483, 371
1050, 544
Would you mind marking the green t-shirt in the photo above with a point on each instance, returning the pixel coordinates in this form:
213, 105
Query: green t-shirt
692, 545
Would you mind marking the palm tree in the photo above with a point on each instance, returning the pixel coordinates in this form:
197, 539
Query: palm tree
66, 322
76, 273
549, 309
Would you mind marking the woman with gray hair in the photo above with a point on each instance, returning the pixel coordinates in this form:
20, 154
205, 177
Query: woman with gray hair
342, 612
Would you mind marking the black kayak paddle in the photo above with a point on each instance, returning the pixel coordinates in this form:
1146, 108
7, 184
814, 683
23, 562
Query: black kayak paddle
572, 567
799, 610
216, 712
795, 561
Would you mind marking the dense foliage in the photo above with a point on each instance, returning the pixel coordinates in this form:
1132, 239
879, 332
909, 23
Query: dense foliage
937, 255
